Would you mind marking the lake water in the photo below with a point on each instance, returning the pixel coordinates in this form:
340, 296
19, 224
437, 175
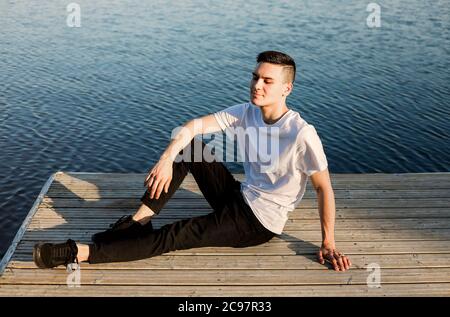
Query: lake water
105, 97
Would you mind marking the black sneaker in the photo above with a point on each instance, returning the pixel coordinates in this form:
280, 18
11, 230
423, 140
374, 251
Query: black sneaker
125, 227
48, 255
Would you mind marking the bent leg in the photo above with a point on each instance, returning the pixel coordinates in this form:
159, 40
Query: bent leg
212, 177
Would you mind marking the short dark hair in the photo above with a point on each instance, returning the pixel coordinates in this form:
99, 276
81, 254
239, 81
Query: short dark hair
279, 58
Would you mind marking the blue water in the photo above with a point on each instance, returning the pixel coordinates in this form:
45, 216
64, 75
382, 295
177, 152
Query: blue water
105, 97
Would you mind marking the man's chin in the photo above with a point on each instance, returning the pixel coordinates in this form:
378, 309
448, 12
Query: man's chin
256, 102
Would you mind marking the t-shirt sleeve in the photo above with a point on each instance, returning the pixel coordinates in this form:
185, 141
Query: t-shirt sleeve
311, 156
231, 117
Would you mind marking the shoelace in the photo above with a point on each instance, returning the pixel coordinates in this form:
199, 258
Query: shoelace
64, 253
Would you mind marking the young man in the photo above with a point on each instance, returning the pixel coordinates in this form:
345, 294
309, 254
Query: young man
245, 214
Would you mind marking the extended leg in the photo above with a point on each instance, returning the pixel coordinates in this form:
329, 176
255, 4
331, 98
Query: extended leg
233, 226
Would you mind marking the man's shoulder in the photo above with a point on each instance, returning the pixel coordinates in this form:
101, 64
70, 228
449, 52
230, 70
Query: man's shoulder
301, 129
297, 123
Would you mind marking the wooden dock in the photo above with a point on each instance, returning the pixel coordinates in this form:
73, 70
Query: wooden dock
399, 222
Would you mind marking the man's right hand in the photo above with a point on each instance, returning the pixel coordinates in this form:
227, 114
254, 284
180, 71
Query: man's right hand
159, 177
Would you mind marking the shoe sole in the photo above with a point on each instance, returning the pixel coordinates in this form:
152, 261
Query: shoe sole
37, 256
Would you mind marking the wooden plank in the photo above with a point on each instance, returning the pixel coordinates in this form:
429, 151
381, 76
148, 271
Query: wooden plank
202, 203
304, 247
84, 235
68, 176
422, 289
260, 262
307, 213
411, 181
342, 185
63, 192
337, 185
292, 224
225, 277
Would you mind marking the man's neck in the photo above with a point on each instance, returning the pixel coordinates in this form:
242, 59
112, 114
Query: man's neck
273, 113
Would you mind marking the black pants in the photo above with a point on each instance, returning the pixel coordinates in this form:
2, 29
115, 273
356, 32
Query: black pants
231, 224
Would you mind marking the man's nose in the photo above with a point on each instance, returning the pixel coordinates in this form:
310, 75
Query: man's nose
257, 85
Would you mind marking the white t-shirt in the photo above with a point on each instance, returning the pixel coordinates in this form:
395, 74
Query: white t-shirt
275, 174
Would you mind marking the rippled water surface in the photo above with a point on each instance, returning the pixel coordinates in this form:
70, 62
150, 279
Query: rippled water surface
105, 97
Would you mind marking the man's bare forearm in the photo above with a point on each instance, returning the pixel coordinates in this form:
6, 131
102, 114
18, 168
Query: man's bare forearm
181, 139
327, 211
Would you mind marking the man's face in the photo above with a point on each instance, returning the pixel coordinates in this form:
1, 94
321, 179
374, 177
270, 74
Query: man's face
267, 87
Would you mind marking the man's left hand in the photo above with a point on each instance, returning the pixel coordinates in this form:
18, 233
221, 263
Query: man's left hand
339, 261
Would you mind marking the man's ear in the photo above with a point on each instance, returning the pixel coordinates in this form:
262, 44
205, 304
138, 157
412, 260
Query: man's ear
288, 89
